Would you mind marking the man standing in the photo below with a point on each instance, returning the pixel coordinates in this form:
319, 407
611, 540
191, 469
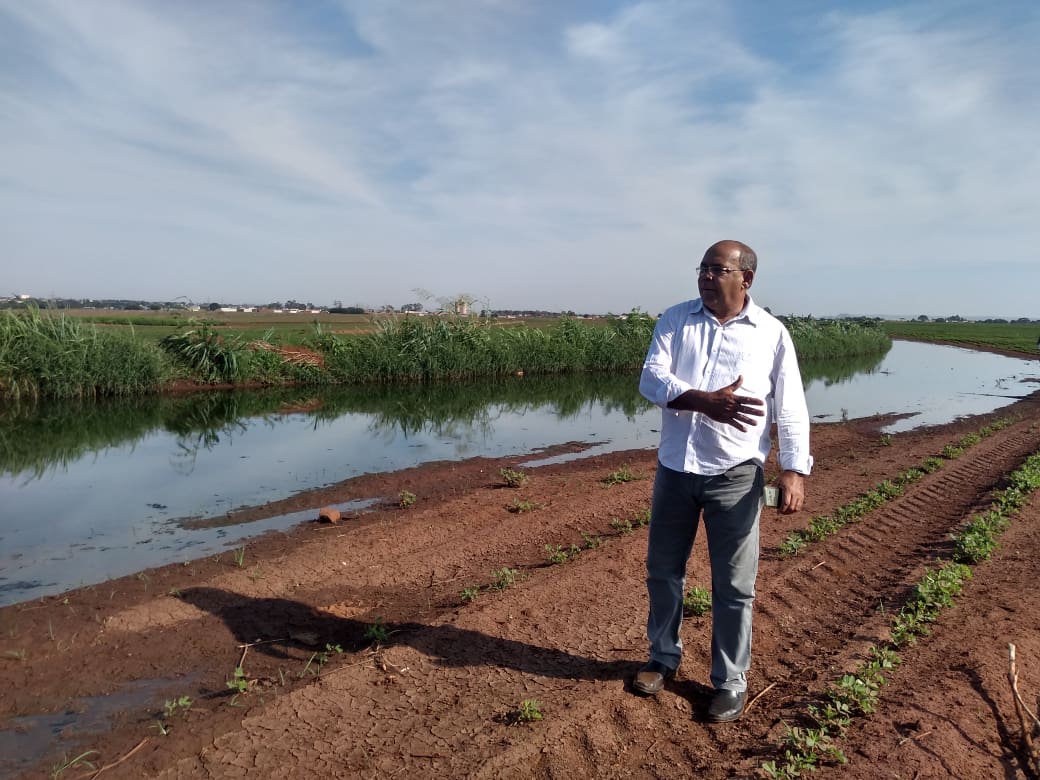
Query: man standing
722, 369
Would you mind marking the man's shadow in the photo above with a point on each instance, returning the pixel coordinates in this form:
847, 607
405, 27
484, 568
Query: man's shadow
285, 621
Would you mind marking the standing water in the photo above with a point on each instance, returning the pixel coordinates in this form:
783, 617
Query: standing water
94, 491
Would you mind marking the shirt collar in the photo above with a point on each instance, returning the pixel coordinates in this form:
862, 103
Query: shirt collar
751, 312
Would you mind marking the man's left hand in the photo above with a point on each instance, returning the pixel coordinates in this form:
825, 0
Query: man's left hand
793, 486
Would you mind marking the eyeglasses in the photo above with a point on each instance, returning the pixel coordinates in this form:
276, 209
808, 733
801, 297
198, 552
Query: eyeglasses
715, 270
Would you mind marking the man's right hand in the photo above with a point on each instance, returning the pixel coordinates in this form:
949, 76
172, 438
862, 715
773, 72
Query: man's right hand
723, 405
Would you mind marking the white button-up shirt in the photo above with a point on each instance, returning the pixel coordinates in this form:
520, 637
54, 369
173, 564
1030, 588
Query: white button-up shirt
691, 350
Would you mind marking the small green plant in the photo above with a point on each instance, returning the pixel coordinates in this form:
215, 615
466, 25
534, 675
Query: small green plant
642, 519
623, 474
529, 711
697, 601
591, 540
406, 498
512, 477
82, 761
470, 593
886, 440
376, 631
621, 526
554, 553
240, 556
319, 659
519, 506
238, 683
179, 705
504, 578
932, 464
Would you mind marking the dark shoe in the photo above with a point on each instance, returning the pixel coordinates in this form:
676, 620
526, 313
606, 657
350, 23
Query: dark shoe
651, 678
726, 706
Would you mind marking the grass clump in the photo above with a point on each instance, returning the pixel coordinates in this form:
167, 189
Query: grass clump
504, 578
623, 474
696, 602
591, 541
555, 553
405, 499
54, 356
513, 478
205, 352
519, 506
82, 761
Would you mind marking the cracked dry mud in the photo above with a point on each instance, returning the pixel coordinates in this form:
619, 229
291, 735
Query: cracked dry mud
437, 697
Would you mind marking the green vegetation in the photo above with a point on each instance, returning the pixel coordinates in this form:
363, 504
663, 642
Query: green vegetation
50, 354
405, 499
822, 526
554, 553
519, 506
1014, 336
470, 593
591, 541
57, 357
512, 477
376, 631
528, 711
623, 474
696, 602
826, 339
319, 659
856, 694
179, 705
504, 578
82, 761
238, 683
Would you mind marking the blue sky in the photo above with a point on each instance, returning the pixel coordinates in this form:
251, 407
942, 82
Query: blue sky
882, 158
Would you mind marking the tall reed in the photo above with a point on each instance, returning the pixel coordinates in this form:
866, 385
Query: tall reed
59, 357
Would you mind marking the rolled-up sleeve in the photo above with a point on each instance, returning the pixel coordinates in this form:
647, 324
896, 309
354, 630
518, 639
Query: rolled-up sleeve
790, 410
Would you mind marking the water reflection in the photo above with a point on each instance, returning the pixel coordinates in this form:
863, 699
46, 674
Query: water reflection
93, 491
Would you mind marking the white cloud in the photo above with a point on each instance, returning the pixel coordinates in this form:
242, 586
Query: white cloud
592, 154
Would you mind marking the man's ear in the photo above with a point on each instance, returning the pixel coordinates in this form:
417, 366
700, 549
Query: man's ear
749, 277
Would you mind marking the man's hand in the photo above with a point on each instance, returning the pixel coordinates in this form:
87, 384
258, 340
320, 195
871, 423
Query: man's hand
723, 405
793, 486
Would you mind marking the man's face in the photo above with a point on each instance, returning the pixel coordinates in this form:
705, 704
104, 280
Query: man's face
722, 285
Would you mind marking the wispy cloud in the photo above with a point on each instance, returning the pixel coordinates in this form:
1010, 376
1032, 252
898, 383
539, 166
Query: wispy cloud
537, 155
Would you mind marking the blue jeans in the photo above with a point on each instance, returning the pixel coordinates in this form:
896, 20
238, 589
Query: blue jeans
730, 504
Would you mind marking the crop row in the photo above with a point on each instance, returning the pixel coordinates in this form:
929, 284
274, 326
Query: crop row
856, 694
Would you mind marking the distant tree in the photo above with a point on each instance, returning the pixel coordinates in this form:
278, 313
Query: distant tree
923, 318
412, 307
214, 307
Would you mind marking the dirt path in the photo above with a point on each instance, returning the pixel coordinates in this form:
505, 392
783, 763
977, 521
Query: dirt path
324, 696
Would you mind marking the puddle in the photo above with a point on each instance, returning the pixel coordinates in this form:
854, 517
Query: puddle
27, 739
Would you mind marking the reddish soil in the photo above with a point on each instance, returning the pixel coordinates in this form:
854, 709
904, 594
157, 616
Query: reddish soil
90, 670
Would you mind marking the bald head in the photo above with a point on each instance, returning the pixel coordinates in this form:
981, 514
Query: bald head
744, 257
